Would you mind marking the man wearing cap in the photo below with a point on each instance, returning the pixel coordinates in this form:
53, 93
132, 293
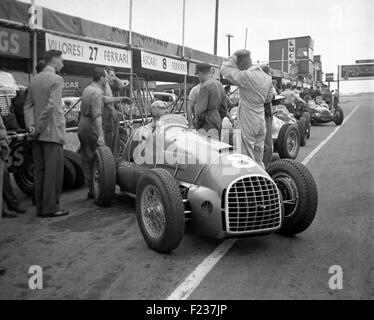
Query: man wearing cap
255, 88
194, 94
211, 105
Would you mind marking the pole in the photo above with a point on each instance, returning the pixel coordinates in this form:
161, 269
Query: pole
246, 38
338, 79
183, 55
34, 46
132, 60
282, 68
216, 28
229, 36
131, 52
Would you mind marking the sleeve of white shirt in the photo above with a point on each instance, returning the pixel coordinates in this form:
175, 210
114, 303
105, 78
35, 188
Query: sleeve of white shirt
231, 72
193, 95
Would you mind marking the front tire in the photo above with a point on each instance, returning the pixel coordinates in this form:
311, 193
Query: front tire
288, 143
298, 193
160, 210
104, 176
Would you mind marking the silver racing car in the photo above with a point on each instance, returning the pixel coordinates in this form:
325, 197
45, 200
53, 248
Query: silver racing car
177, 175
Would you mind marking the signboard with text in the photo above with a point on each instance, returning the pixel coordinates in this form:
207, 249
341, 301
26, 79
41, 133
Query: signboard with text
329, 77
365, 61
164, 64
356, 72
291, 53
14, 43
87, 52
193, 72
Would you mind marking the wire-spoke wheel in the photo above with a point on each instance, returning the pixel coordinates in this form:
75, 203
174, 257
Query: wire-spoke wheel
160, 210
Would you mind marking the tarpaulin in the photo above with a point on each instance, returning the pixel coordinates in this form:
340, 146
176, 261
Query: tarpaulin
64, 23
14, 11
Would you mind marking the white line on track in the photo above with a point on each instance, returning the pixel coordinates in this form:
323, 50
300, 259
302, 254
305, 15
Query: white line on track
185, 289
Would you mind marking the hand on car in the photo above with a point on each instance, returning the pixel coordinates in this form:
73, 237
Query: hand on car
126, 100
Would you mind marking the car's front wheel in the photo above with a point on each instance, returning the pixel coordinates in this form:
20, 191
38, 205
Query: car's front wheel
160, 210
104, 176
298, 192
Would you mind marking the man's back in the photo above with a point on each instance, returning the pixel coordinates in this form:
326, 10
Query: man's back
41, 87
255, 86
44, 106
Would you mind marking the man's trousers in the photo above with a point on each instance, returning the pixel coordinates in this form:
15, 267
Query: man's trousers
268, 146
48, 161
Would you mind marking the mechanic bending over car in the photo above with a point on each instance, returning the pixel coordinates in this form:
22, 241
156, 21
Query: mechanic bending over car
255, 88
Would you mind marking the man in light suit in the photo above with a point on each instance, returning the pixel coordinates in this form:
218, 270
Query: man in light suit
45, 117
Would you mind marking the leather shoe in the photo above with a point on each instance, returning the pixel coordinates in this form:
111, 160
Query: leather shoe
2, 271
55, 214
8, 214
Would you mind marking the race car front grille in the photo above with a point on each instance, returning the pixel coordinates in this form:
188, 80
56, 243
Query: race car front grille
253, 205
5, 102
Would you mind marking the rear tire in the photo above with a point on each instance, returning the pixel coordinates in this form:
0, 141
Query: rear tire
104, 176
302, 125
299, 195
288, 142
161, 219
76, 160
70, 175
339, 116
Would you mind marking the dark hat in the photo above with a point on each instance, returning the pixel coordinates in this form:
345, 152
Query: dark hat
203, 67
243, 53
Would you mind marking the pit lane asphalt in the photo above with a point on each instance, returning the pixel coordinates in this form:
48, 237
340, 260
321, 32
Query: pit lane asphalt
99, 253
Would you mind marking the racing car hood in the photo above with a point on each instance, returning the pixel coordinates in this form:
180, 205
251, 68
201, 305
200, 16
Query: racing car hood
228, 168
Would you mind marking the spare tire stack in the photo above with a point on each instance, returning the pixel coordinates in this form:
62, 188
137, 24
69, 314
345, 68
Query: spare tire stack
73, 171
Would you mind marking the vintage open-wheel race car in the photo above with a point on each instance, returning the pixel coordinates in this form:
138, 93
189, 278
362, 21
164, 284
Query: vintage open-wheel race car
322, 114
177, 175
288, 133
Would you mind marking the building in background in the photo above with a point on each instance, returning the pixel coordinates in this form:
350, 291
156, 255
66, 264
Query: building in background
294, 56
317, 69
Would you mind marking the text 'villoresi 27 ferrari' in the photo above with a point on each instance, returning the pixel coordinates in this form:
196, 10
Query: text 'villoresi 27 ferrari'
178, 175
